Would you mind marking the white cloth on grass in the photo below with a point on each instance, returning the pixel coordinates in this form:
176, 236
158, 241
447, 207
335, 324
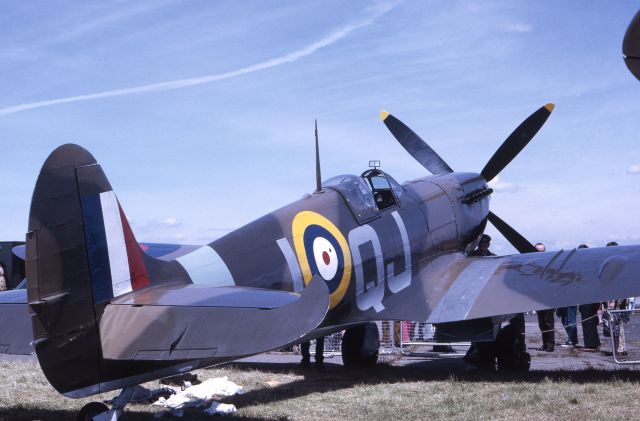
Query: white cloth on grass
202, 395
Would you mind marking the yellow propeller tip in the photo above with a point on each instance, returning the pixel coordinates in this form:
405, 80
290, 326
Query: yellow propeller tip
384, 115
550, 107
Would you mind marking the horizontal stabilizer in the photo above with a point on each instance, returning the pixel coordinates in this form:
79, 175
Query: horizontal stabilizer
157, 250
197, 322
15, 323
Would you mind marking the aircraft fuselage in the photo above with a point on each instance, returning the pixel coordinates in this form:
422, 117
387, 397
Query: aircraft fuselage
365, 257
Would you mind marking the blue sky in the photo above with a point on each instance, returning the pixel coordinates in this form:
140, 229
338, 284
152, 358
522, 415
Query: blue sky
201, 112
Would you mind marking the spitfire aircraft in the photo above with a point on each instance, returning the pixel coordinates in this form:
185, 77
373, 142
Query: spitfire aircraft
105, 315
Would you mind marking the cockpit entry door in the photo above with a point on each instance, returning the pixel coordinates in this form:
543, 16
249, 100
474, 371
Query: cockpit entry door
382, 187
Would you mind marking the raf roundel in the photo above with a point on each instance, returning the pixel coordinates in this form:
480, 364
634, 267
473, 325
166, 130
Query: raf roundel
325, 257
322, 249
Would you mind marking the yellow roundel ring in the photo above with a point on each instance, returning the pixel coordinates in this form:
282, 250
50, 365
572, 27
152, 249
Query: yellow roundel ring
322, 249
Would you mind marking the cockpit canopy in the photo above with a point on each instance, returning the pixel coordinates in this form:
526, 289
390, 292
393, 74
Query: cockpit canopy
368, 194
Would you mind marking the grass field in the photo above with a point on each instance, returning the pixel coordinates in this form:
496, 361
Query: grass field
282, 391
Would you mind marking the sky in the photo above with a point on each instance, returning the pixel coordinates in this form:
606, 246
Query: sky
201, 113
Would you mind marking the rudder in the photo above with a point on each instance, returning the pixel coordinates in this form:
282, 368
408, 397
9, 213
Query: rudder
80, 254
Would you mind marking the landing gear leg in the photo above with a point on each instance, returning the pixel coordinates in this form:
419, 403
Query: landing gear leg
97, 411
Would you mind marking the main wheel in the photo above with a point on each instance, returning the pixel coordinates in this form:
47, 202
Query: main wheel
510, 351
90, 410
360, 345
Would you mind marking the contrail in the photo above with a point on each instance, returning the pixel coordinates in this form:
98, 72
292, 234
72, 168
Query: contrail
330, 39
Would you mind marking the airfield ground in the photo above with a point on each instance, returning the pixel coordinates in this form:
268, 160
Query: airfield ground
568, 384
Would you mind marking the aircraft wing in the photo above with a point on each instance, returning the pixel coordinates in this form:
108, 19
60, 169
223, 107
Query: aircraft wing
454, 287
15, 323
160, 251
197, 321
491, 286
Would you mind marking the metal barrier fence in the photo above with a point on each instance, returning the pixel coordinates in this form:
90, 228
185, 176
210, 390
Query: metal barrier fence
333, 342
621, 332
394, 336
386, 331
414, 335
403, 336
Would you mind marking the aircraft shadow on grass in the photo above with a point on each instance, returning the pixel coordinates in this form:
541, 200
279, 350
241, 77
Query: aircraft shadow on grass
335, 377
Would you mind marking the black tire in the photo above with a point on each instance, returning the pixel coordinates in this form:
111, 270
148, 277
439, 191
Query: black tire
525, 362
360, 346
90, 410
510, 350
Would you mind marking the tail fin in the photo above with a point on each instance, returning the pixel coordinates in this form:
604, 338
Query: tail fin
81, 253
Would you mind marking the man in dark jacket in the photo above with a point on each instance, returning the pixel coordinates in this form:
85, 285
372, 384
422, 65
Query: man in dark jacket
482, 355
545, 320
589, 316
483, 247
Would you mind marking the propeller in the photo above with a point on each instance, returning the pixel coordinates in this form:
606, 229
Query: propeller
509, 149
413, 144
516, 142
517, 241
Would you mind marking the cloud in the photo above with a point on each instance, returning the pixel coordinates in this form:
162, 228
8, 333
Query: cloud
473, 7
634, 169
106, 20
502, 186
517, 27
373, 13
155, 224
72, 30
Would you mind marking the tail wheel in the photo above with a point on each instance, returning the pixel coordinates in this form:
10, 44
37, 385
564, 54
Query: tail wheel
90, 410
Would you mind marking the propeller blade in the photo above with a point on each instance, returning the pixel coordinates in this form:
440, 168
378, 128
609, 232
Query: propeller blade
413, 144
516, 142
518, 241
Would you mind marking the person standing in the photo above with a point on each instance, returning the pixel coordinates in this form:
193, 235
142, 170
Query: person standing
482, 355
545, 320
306, 354
3, 280
568, 318
617, 322
589, 320
483, 247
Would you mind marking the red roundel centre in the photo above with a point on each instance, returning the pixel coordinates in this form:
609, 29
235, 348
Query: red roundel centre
326, 258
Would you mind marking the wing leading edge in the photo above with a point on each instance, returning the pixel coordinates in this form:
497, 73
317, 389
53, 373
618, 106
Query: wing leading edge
195, 322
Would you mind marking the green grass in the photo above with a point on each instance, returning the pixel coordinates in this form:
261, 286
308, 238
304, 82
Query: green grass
281, 391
